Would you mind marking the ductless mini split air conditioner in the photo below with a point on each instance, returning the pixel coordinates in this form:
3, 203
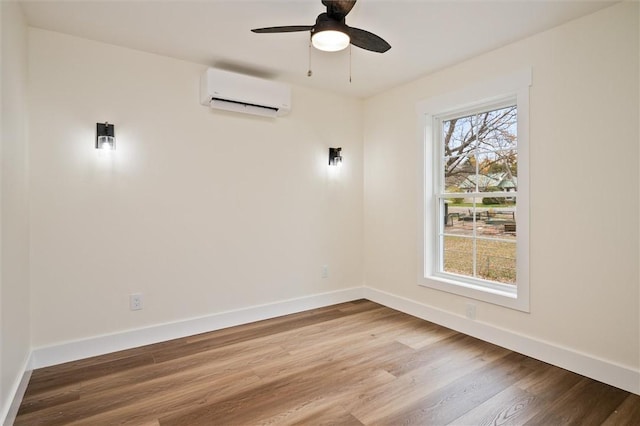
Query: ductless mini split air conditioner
242, 93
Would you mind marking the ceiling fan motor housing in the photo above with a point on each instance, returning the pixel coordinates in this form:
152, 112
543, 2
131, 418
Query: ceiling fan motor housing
325, 23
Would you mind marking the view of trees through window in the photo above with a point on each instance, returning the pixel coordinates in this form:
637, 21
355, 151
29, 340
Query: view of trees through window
477, 197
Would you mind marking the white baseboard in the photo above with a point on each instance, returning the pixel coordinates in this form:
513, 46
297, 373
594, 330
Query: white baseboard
604, 371
9, 413
100, 345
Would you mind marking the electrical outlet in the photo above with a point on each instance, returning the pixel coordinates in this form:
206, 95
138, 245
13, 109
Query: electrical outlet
471, 311
325, 271
135, 301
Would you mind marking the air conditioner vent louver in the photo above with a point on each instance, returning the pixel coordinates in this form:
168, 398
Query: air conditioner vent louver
245, 94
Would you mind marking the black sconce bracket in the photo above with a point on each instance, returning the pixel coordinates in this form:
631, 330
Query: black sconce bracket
335, 156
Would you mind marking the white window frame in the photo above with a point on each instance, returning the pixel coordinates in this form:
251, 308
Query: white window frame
430, 111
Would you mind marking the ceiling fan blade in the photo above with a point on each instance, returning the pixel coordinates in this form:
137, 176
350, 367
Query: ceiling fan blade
286, 29
338, 9
368, 41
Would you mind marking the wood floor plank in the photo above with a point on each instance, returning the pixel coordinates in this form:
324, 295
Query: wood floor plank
627, 414
327, 408
520, 402
412, 387
587, 403
355, 363
455, 399
424, 334
98, 397
146, 379
298, 385
184, 394
46, 380
509, 407
57, 398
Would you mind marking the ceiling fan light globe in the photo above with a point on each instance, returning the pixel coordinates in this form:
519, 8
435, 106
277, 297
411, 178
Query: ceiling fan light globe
330, 40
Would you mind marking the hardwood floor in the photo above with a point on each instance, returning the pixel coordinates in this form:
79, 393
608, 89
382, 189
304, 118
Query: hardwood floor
349, 364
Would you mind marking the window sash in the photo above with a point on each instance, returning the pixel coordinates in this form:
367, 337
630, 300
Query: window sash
475, 278
440, 194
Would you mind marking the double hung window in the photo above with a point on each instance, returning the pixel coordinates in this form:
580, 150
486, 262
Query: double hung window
477, 193
475, 218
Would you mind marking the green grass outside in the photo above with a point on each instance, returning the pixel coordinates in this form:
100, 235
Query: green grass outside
496, 260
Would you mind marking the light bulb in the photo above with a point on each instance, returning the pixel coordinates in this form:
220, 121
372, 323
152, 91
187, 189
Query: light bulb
107, 143
330, 40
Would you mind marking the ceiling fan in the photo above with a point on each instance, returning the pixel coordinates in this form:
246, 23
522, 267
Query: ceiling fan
330, 32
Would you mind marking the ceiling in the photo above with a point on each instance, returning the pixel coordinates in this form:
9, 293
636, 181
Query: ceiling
425, 35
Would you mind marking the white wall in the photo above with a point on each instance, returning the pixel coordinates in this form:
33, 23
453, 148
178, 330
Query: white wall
205, 212
14, 213
201, 211
584, 186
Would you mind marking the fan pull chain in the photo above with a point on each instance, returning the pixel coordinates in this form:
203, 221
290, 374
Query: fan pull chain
309, 73
350, 61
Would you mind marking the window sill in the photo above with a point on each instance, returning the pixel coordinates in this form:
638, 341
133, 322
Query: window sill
505, 298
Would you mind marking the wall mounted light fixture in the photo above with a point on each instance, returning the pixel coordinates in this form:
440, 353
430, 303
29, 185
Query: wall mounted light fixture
335, 156
105, 136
